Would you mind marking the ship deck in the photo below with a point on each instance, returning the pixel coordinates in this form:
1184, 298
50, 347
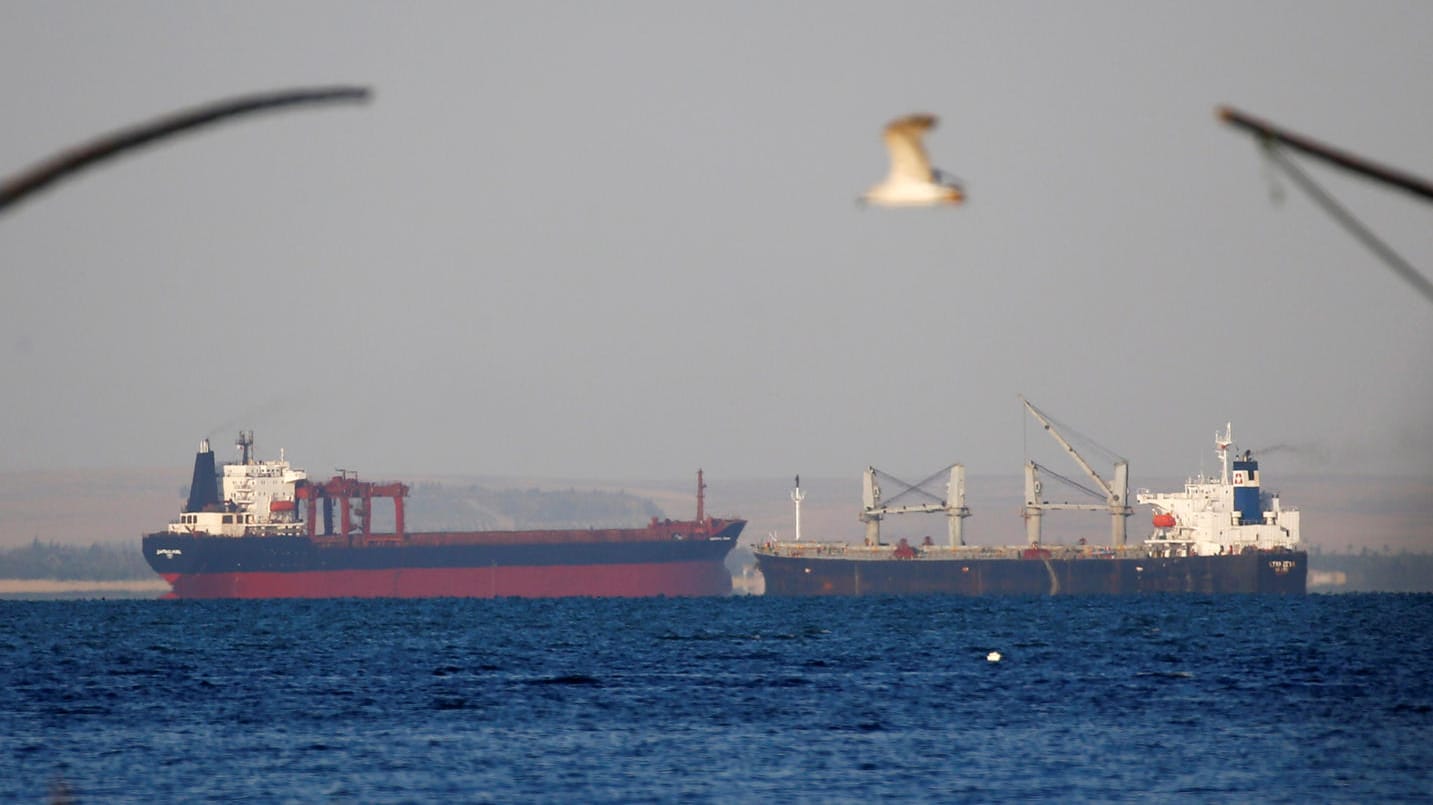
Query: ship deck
945, 553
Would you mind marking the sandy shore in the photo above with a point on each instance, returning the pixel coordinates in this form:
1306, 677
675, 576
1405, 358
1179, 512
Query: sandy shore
68, 587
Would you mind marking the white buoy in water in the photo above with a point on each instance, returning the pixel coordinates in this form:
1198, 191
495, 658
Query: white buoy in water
993, 656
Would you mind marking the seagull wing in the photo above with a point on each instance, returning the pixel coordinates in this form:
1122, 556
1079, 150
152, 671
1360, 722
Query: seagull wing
903, 139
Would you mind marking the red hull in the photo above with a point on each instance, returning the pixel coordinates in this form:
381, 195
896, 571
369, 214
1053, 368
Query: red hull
551, 581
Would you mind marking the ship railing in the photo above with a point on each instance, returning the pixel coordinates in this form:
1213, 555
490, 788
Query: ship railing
855, 551
274, 530
805, 548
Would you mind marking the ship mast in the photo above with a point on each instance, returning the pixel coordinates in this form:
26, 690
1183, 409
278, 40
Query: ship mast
245, 444
701, 499
796, 497
1221, 446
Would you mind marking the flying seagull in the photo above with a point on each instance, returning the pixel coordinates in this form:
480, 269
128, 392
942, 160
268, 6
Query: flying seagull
912, 182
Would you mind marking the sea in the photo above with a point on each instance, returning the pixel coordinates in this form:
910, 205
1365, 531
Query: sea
1318, 698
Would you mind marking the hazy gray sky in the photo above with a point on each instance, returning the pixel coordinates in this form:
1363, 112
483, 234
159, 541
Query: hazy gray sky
619, 240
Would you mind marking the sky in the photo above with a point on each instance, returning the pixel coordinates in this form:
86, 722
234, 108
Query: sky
620, 240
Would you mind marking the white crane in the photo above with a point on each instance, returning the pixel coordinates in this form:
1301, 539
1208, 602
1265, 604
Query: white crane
953, 503
1116, 492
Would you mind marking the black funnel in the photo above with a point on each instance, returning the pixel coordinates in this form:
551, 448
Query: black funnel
204, 488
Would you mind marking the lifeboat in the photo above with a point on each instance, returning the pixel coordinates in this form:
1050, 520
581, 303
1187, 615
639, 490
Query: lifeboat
1165, 520
281, 505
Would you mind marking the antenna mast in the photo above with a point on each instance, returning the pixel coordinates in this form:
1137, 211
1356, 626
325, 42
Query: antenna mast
796, 497
1221, 446
246, 446
701, 498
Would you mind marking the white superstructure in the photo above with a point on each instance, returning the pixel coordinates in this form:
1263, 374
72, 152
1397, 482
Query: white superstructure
1224, 515
255, 497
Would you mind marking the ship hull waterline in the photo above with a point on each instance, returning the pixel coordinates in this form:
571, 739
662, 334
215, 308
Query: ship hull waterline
1283, 572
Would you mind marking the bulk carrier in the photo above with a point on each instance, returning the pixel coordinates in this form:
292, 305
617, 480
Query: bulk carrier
263, 529
1220, 535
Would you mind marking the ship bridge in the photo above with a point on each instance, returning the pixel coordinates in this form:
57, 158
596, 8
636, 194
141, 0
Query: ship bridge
1228, 514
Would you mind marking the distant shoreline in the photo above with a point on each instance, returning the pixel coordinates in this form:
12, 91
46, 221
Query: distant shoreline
79, 586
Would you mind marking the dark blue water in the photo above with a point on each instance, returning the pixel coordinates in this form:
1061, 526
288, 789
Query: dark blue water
1187, 698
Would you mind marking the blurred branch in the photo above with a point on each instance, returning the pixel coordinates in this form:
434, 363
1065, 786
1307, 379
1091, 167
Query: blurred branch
1269, 132
1271, 137
78, 158
1385, 252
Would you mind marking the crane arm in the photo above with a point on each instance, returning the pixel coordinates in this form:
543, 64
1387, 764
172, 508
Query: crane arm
1084, 465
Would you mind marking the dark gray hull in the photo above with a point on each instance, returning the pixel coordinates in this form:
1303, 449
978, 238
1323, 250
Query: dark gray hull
1282, 572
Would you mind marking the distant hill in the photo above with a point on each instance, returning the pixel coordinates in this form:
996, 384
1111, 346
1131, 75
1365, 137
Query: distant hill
441, 507
82, 507
48, 560
1368, 571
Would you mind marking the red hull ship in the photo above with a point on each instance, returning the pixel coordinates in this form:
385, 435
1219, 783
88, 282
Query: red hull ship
262, 529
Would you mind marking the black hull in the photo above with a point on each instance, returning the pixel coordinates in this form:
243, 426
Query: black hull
1284, 572
528, 564
183, 554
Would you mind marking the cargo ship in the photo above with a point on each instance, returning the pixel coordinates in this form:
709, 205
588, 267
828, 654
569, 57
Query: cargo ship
1219, 535
263, 529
